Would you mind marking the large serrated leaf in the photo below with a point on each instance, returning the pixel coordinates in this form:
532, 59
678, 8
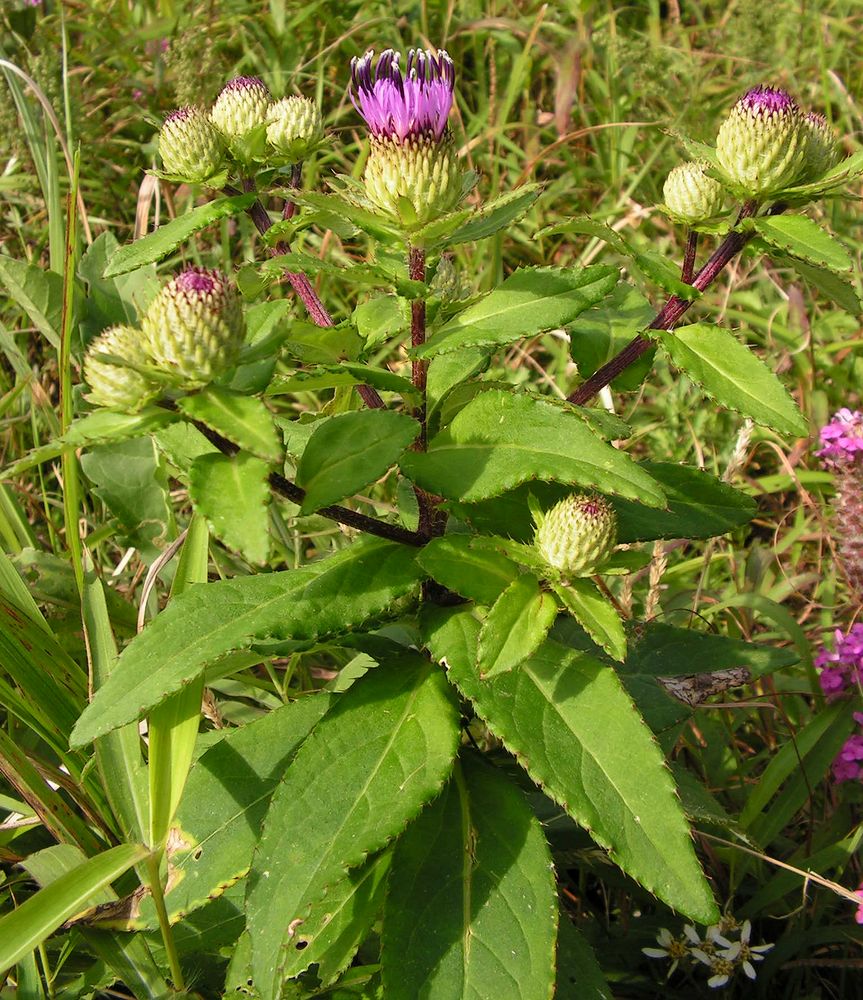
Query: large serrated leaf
501, 439
841, 288
38, 292
231, 492
801, 237
382, 751
240, 418
350, 451
208, 621
480, 575
224, 803
732, 375
574, 729
526, 303
471, 908
159, 244
339, 922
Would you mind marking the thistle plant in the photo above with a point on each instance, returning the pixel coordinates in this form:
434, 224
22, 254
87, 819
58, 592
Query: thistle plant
349, 829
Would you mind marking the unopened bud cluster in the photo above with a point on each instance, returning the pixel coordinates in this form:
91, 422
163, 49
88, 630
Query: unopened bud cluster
766, 145
577, 535
191, 334
243, 127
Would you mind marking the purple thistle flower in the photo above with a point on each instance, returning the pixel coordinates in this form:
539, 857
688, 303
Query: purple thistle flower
401, 107
766, 101
842, 438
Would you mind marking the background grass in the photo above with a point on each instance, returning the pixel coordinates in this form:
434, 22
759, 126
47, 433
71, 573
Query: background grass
582, 96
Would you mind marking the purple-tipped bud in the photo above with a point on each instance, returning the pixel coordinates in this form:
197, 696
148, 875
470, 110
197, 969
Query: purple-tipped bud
241, 106
194, 327
761, 144
404, 106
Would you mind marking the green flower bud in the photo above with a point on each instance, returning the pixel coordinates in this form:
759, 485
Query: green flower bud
189, 145
422, 171
194, 328
295, 127
115, 386
762, 144
822, 147
691, 195
240, 107
577, 535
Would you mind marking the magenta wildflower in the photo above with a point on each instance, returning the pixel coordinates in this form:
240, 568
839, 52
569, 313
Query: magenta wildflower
858, 916
404, 106
842, 438
842, 667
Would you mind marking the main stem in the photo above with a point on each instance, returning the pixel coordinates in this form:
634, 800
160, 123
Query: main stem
299, 282
419, 372
669, 314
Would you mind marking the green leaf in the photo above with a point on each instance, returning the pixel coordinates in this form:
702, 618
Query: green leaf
446, 371
130, 478
232, 492
210, 620
568, 720
799, 236
224, 803
732, 375
579, 974
496, 215
840, 288
339, 922
528, 302
471, 910
384, 749
323, 345
241, 419
501, 439
104, 426
153, 247
381, 318
27, 926
601, 332
38, 292
516, 625
596, 615
350, 451
478, 574
699, 506
377, 225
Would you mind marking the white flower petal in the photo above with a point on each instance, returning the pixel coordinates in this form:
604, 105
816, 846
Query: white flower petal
691, 933
749, 969
701, 956
655, 952
716, 981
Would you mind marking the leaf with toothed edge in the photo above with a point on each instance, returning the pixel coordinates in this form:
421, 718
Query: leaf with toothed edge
383, 750
207, 621
501, 439
574, 729
471, 909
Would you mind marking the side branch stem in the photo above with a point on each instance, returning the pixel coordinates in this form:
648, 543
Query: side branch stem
419, 372
343, 515
670, 313
299, 282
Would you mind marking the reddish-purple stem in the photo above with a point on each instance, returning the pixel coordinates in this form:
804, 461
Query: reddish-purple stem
688, 268
669, 314
303, 287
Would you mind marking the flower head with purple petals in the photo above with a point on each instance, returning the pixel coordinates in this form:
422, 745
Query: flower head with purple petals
842, 666
765, 101
842, 439
403, 106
